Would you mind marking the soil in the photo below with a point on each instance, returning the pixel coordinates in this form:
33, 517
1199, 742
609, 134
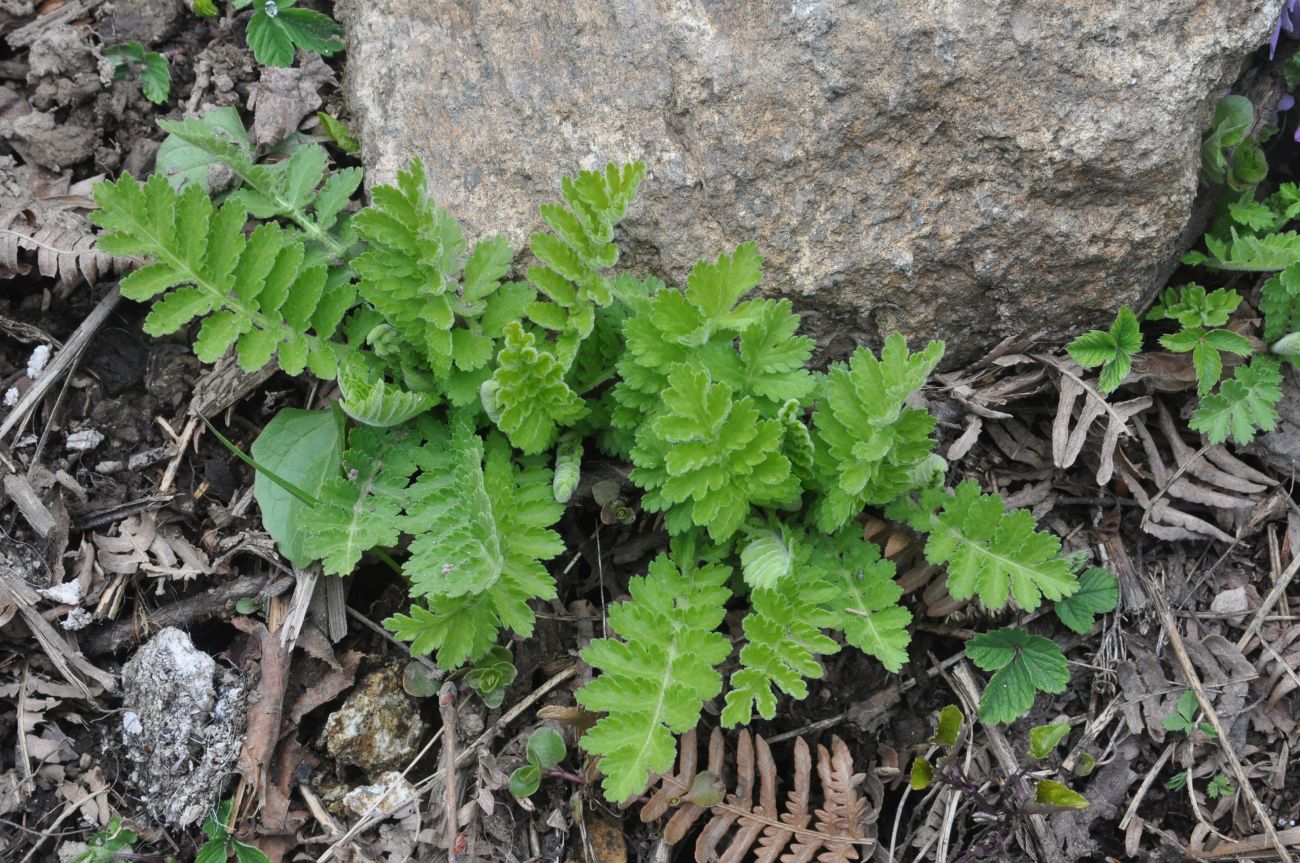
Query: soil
136, 533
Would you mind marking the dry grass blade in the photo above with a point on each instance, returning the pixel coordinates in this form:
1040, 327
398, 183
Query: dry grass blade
766, 829
59, 250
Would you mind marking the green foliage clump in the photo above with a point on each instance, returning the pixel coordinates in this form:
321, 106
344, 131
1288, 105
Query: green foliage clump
471, 399
873, 447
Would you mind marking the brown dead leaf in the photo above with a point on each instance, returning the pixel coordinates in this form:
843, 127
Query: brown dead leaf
333, 683
264, 711
283, 97
140, 544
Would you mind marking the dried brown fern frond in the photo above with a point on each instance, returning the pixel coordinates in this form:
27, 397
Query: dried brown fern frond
793, 833
63, 248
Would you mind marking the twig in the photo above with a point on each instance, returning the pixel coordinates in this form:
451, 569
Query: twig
450, 798
182, 613
182, 444
69, 661
971, 689
63, 360
1194, 681
1147, 782
1280, 585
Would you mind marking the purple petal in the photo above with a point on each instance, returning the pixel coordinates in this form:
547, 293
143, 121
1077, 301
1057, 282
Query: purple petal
1286, 103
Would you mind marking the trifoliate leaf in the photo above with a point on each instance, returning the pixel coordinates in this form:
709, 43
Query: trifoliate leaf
275, 30
1098, 593
1113, 350
1023, 665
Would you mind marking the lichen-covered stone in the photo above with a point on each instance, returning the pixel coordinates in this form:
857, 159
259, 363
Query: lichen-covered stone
964, 170
182, 725
378, 728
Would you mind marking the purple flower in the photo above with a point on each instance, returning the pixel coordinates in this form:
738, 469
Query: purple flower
1287, 20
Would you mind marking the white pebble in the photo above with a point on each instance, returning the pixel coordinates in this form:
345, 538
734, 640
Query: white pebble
37, 361
84, 440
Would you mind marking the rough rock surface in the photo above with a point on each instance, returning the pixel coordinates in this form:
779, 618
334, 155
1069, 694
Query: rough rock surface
182, 726
378, 728
965, 170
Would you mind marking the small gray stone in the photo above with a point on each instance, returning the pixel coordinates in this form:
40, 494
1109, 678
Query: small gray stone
182, 727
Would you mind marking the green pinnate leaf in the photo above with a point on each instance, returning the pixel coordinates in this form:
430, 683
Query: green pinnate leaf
481, 524
656, 676
580, 246
527, 396
784, 637
991, 553
707, 458
1098, 593
360, 509
1022, 665
865, 600
202, 258
870, 444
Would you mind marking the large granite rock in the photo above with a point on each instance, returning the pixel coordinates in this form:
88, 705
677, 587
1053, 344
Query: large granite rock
966, 170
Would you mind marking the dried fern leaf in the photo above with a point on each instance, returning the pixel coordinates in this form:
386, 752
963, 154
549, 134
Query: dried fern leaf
57, 250
1068, 442
1165, 521
1240, 477
765, 831
1180, 483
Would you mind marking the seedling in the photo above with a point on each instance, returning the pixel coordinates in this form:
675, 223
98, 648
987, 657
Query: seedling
1016, 797
545, 750
222, 844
